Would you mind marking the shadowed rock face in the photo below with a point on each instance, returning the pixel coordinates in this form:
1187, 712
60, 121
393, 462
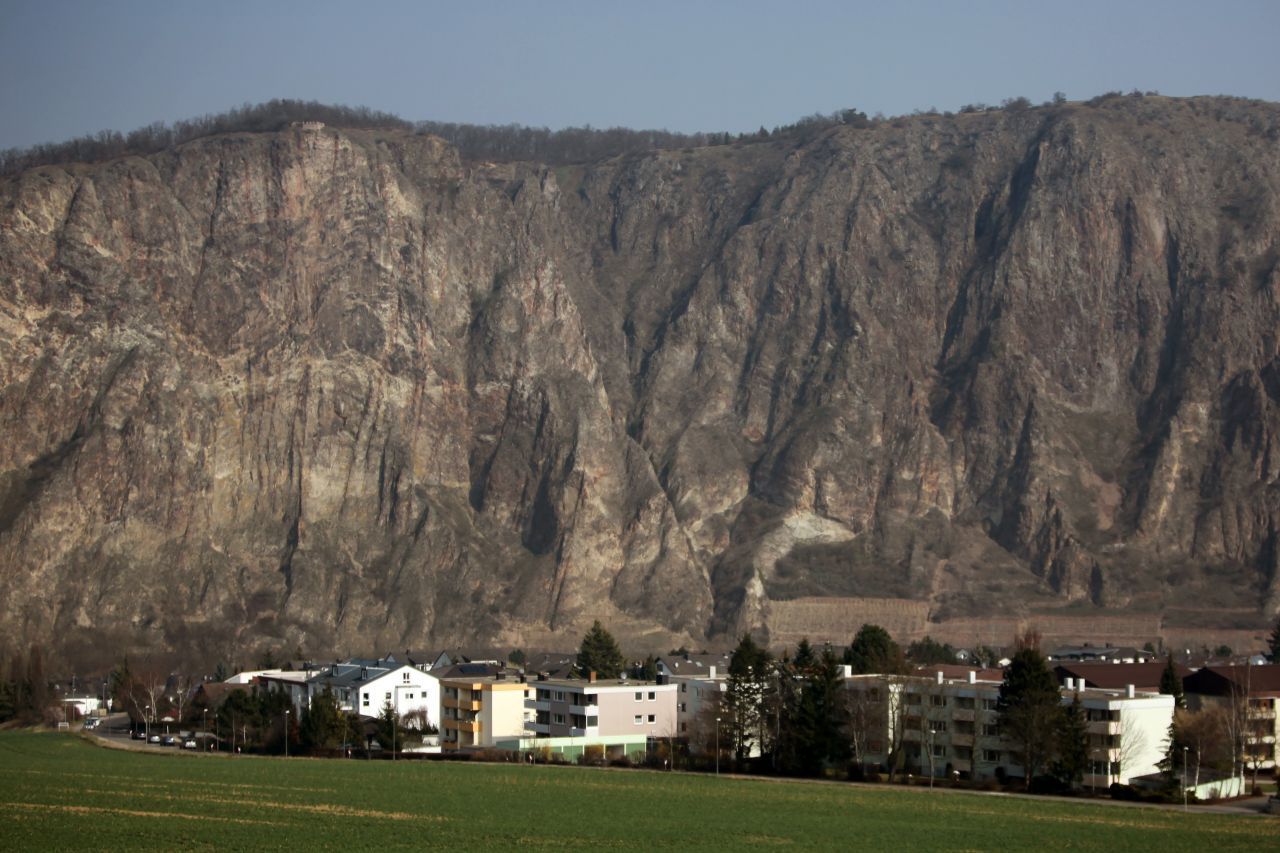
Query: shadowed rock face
340, 389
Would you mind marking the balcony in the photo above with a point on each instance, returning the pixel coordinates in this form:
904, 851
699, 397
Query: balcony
462, 704
1104, 727
537, 704
584, 710
961, 740
963, 716
462, 725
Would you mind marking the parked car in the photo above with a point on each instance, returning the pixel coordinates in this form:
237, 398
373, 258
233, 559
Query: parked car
153, 739
168, 740
138, 734
189, 743
92, 723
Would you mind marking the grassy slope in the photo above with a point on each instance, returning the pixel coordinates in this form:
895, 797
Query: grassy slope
58, 792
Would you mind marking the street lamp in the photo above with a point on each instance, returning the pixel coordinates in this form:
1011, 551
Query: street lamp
146, 725
717, 746
1184, 779
932, 732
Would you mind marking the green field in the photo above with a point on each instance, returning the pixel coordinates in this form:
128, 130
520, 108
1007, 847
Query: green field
58, 792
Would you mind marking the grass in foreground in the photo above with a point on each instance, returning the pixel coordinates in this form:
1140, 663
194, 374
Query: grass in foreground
60, 792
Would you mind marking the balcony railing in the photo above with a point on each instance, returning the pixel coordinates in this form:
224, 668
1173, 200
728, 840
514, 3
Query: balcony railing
462, 725
462, 704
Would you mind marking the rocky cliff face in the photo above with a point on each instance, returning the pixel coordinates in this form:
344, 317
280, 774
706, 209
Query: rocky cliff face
340, 389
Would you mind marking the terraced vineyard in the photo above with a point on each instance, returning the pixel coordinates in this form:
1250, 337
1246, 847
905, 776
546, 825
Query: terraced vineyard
58, 792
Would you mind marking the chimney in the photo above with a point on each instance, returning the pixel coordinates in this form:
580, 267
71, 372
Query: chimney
939, 676
591, 677
711, 672
1128, 691
1070, 683
973, 676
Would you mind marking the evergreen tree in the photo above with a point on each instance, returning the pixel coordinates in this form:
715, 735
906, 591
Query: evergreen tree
1073, 745
745, 697
805, 659
819, 719
874, 651
220, 672
516, 658
930, 651
323, 724
1273, 643
646, 670
1030, 709
599, 653
1171, 683
389, 732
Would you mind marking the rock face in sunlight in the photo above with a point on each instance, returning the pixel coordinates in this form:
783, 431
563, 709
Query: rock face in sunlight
340, 389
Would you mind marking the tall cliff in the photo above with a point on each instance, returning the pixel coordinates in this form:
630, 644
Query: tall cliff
344, 390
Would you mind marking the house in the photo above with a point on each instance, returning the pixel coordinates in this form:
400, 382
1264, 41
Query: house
366, 690
945, 725
1106, 654
1117, 675
701, 680
1252, 693
552, 664
477, 711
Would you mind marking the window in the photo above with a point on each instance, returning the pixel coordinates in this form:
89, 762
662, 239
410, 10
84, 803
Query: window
652, 719
938, 701
684, 688
939, 750
366, 700
684, 727
990, 730
639, 696
406, 678
684, 708
388, 696
653, 695
940, 725
408, 695
991, 755
988, 704
557, 718
638, 719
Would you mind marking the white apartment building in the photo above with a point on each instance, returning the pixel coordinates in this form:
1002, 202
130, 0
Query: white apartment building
945, 726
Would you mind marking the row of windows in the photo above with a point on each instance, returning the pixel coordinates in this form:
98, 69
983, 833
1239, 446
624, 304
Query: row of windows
639, 719
653, 696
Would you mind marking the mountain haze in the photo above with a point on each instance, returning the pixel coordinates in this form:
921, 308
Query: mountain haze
346, 390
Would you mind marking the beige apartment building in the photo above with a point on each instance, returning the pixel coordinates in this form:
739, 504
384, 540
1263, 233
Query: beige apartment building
477, 712
572, 708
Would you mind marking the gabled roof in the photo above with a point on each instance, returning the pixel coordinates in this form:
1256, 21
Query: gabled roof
468, 670
1104, 653
1220, 680
1116, 676
554, 664
696, 666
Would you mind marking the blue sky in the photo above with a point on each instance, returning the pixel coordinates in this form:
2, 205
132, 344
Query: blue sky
69, 67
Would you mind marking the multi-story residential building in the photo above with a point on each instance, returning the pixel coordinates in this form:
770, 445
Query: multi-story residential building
479, 711
1252, 695
598, 708
943, 726
700, 680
